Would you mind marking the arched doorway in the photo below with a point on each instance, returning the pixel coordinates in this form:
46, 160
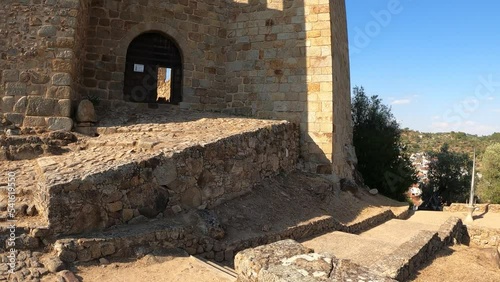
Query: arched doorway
153, 70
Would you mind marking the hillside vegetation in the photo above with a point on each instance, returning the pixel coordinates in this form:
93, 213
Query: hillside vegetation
458, 141
458, 151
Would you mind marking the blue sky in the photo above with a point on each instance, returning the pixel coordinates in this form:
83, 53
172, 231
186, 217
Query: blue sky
436, 62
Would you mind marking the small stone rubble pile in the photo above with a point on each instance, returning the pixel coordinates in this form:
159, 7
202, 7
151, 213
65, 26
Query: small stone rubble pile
28, 146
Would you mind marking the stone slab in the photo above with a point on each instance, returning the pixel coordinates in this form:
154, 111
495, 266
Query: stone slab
363, 251
397, 231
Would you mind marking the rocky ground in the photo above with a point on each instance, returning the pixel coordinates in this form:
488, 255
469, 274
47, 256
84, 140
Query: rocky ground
276, 204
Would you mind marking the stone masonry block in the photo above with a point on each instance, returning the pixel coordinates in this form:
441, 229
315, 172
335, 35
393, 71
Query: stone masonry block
65, 54
47, 31
69, 3
39, 106
59, 92
64, 108
15, 88
21, 104
15, 118
10, 75
59, 123
7, 104
30, 121
61, 79
62, 65
39, 76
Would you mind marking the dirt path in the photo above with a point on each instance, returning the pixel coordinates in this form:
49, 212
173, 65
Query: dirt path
153, 268
461, 263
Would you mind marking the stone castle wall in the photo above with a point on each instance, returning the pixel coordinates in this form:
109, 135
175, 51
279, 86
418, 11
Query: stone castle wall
196, 26
40, 60
269, 59
279, 66
341, 89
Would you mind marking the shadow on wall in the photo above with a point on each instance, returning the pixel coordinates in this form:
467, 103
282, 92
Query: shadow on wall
267, 59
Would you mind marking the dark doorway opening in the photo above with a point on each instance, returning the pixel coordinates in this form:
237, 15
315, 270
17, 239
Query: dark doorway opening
153, 70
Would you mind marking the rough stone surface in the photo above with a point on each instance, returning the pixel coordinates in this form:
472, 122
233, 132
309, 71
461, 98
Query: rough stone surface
61, 79
59, 123
173, 174
483, 236
480, 208
39, 106
53, 264
287, 260
248, 263
85, 112
266, 59
64, 108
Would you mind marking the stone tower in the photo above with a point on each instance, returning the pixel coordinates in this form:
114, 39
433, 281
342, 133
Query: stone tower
272, 59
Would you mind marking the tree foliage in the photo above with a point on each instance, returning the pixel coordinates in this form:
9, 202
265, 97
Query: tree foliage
450, 175
489, 186
382, 158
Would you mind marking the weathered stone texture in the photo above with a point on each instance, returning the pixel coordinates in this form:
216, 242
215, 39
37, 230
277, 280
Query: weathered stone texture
342, 130
85, 112
35, 54
288, 260
168, 183
480, 208
483, 236
268, 59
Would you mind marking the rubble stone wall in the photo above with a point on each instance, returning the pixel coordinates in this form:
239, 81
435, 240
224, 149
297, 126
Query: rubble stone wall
480, 208
198, 176
484, 237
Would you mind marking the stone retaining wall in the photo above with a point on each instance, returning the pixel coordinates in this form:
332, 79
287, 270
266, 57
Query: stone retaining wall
204, 175
194, 241
484, 237
480, 208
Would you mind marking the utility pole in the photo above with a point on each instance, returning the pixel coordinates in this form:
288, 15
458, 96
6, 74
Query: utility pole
471, 207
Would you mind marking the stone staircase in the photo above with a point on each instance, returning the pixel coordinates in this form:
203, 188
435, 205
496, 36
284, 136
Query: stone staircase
392, 248
395, 248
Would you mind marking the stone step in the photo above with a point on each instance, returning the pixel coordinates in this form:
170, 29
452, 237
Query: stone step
196, 234
396, 231
396, 248
361, 250
436, 218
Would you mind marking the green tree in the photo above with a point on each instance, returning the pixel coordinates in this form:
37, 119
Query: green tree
489, 186
382, 158
450, 175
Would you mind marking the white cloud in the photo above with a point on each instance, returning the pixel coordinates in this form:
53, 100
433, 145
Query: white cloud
401, 102
440, 126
